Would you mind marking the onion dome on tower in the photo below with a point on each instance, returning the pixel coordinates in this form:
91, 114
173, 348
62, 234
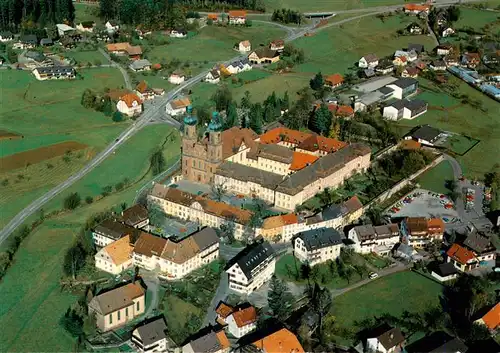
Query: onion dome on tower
190, 119
216, 123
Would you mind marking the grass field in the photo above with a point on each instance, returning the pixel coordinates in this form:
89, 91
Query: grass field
435, 178
475, 18
215, 43
86, 13
326, 5
177, 312
391, 294
466, 120
460, 144
87, 56
336, 49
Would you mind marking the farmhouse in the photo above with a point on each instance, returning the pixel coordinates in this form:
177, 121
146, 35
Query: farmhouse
368, 61
130, 105
134, 52
213, 76
316, 246
278, 45
251, 267
378, 239
116, 257
416, 9
237, 17
176, 78
334, 81
118, 306
151, 336
177, 106
405, 109
109, 231
244, 46
264, 55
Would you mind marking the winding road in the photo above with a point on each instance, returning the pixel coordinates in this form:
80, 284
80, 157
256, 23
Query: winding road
156, 110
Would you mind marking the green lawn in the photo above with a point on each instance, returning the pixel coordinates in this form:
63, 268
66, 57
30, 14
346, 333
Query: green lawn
435, 178
466, 120
459, 144
336, 49
86, 13
475, 18
87, 56
326, 5
214, 43
391, 294
177, 312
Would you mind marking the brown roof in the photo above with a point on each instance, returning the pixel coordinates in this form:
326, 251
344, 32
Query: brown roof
280, 221
353, 204
412, 71
266, 53
180, 103
117, 298
237, 13
246, 316
416, 224
278, 43
224, 310
222, 338
125, 47
120, 251
233, 138
180, 252
389, 337
245, 43
149, 245
135, 214
141, 87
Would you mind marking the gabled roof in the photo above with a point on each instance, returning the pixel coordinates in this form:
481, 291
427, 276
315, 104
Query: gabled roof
245, 43
425, 132
140, 64
135, 214
180, 103
281, 341
265, 52
119, 251
492, 317
152, 332
130, 98
389, 337
334, 79
460, 254
352, 205
224, 310
320, 238
117, 298
113, 229
237, 13
188, 247
210, 342
149, 245
251, 257
437, 342
417, 7
233, 138
478, 243
244, 316
370, 58
301, 160
404, 82
280, 221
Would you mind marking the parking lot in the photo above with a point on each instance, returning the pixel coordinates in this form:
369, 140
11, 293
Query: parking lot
424, 203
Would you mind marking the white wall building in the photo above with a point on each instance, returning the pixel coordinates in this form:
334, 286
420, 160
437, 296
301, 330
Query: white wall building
369, 61
242, 321
378, 239
177, 107
152, 337
405, 109
177, 78
116, 257
317, 246
109, 231
130, 105
385, 339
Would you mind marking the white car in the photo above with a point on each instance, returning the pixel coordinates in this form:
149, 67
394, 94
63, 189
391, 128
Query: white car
373, 275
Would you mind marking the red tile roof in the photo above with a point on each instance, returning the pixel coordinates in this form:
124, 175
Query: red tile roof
316, 142
224, 310
282, 341
417, 7
238, 13
130, 98
460, 254
301, 160
283, 134
334, 79
212, 16
492, 317
243, 317
435, 226
345, 110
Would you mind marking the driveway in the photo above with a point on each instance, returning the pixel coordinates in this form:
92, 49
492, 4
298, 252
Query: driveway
220, 295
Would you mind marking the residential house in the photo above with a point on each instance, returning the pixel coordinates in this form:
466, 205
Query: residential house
447, 31
317, 246
151, 336
64, 29
116, 257
405, 109
177, 106
244, 46
482, 246
54, 73
334, 81
238, 66
451, 60
415, 28
26, 41
470, 60
416, 9
130, 105
385, 339
445, 272
177, 78
462, 258
344, 111
438, 342
251, 267
136, 216
491, 319
178, 33
279, 341
242, 320
213, 17
385, 67
417, 48
403, 251
437, 65
237, 17
277, 45
410, 55
264, 55
411, 72
369, 73
140, 65
281, 228
213, 76
86, 26
403, 87
109, 231
6, 36
133, 52
378, 239
368, 61
144, 92
118, 306
222, 311
400, 61
425, 134
444, 49
111, 26
208, 341
147, 251
419, 231
35, 59
46, 42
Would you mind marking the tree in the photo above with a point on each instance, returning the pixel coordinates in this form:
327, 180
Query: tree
107, 106
321, 120
453, 13
246, 102
255, 118
227, 229
72, 201
222, 98
219, 190
117, 117
72, 323
279, 298
192, 324
89, 325
157, 162
231, 117
317, 82
321, 302
412, 162
88, 99
374, 213
285, 105
74, 260
89, 200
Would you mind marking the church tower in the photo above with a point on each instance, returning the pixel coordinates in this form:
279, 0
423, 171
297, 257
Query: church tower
189, 140
214, 147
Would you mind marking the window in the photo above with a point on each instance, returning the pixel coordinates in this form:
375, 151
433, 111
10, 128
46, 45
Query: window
138, 306
118, 314
110, 318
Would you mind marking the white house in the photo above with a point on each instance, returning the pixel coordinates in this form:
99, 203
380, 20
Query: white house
437, 65
385, 339
87, 26
54, 73
237, 17
242, 321
447, 31
239, 66
136, 216
140, 65
116, 257
6, 36
213, 76
109, 231
244, 46
444, 49
177, 106
316, 246
445, 272
403, 87
368, 61
379, 239
130, 105
152, 337
177, 78
178, 33
405, 109
64, 29
111, 26
251, 267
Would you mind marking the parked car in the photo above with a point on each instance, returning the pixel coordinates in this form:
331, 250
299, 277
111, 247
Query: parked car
373, 275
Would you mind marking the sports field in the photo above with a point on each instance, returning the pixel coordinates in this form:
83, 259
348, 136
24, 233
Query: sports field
338, 48
326, 5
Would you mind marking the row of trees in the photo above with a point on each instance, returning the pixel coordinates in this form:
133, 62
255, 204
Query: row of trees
17, 14
287, 16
